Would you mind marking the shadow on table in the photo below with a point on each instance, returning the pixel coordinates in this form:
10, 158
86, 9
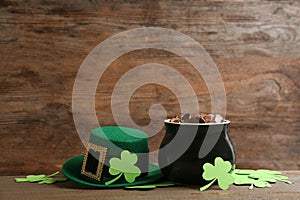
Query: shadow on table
73, 185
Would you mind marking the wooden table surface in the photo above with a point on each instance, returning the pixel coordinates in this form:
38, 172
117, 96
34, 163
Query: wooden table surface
71, 190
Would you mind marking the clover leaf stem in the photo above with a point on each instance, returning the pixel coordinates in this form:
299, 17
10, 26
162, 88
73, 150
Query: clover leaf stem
286, 181
53, 174
113, 180
208, 185
251, 187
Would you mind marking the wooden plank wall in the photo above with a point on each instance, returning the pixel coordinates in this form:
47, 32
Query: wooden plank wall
255, 44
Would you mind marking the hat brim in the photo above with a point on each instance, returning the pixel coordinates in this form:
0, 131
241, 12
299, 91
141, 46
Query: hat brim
72, 168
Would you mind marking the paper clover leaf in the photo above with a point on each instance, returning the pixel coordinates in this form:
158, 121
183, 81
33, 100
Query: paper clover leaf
53, 180
31, 178
258, 178
245, 179
41, 179
124, 166
220, 171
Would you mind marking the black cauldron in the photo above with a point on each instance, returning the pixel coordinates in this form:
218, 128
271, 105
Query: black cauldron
186, 147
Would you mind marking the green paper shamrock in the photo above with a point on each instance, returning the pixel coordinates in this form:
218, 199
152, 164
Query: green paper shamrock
41, 179
52, 180
220, 172
223, 170
258, 178
245, 179
31, 178
124, 166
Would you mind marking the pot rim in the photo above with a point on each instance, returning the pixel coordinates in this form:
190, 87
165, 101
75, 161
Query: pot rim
167, 121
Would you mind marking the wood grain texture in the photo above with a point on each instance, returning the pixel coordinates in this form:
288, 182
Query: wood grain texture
255, 44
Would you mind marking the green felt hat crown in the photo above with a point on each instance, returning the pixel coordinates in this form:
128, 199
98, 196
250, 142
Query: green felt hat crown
115, 157
113, 150
123, 138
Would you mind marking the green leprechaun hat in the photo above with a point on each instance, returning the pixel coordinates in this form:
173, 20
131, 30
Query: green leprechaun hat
115, 156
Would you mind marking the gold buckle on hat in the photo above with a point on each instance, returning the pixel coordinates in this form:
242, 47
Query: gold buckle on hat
91, 152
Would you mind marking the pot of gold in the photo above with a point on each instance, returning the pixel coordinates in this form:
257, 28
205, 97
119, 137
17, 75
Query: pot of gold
190, 142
